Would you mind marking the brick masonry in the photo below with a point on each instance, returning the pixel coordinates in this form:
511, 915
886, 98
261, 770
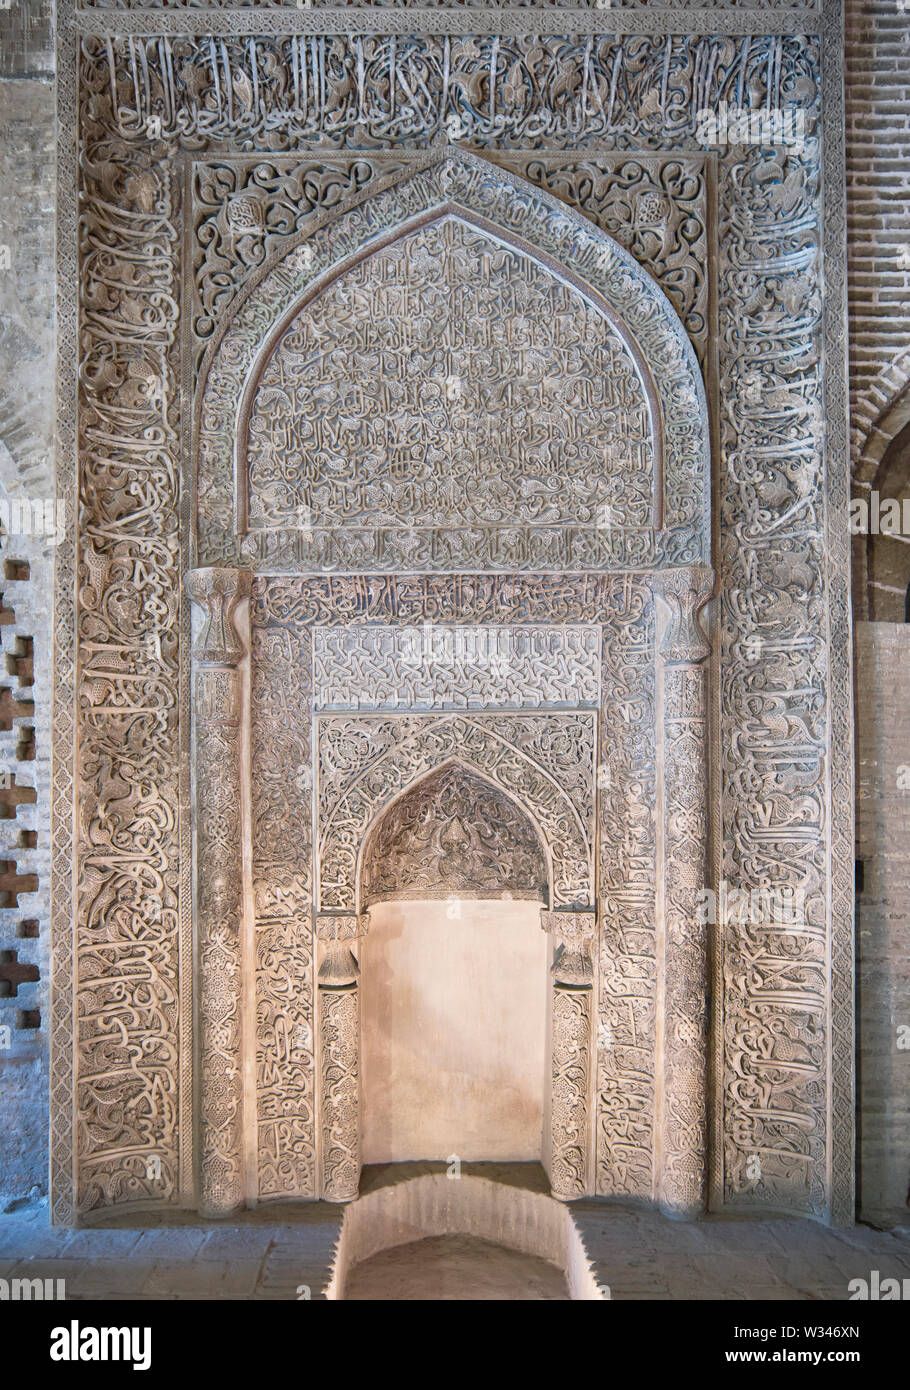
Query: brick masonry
883, 920
27, 153
878, 226
878, 174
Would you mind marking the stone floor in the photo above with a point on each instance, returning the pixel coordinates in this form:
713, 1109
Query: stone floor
641, 1255
456, 1268
286, 1252
275, 1252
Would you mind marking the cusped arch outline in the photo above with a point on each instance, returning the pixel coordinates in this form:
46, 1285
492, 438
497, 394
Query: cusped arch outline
523, 217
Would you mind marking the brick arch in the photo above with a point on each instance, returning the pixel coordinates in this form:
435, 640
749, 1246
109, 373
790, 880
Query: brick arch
881, 558
878, 415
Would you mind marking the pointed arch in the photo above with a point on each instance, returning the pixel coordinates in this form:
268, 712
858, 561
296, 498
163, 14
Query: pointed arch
453, 831
537, 787
582, 259
324, 284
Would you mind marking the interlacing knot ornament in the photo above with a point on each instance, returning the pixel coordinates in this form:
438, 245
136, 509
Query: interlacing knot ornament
218, 891
217, 736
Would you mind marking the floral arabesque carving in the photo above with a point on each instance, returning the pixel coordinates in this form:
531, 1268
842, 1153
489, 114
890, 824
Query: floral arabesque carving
448, 377
545, 762
608, 529
219, 906
770, 232
453, 835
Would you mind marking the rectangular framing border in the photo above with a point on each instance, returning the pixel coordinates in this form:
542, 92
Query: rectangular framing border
481, 717
300, 605
71, 25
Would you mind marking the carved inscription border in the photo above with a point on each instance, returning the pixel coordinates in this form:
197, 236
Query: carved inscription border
782, 529
381, 751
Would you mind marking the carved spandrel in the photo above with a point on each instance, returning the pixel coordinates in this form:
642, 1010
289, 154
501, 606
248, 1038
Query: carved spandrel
550, 773
654, 205
603, 531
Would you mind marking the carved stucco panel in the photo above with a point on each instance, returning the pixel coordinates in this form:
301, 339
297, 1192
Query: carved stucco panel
437, 667
340, 1072
776, 987
274, 91
769, 322
625, 1038
218, 741
685, 1036
494, 200
449, 382
244, 209
453, 834
281, 782
572, 1016
545, 762
129, 988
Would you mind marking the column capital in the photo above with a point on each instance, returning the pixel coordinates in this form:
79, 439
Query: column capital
339, 968
341, 926
685, 591
574, 929
571, 925
217, 592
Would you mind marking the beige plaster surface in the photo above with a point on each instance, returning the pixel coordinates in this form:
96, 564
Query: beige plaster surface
454, 999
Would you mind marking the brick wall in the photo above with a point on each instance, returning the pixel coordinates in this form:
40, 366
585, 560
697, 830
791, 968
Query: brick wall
27, 152
883, 920
878, 174
878, 225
